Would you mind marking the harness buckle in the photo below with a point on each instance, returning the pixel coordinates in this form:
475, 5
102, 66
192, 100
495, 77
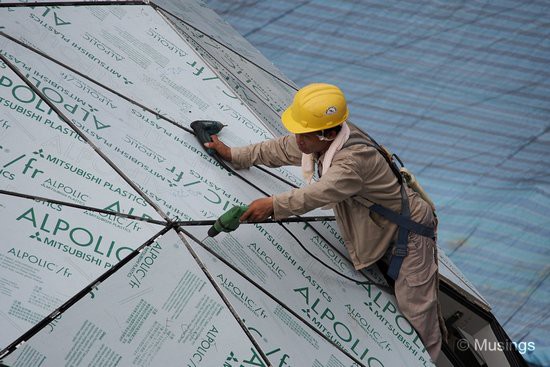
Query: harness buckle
400, 252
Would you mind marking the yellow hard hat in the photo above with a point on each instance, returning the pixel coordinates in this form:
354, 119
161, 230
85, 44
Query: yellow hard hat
315, 107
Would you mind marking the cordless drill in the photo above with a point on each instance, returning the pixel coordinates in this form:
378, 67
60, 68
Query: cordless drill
203, 129
228, 221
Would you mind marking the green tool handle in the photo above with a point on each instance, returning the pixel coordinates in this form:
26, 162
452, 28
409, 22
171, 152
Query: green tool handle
228, 221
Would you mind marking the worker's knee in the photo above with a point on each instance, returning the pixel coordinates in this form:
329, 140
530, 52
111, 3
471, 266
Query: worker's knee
417, 292
416, 286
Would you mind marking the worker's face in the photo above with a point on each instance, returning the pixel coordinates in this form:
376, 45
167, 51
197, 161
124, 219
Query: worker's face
310, 143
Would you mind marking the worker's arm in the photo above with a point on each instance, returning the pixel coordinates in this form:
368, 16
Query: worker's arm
341, 181
272, 153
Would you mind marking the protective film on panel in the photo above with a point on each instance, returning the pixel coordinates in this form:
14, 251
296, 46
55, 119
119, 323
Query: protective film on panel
157, 309
130, 49
206, 21
363, 319
165, 161
41, 155
49, 252
266, 95
284, 338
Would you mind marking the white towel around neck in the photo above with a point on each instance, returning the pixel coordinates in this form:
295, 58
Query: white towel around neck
308, 163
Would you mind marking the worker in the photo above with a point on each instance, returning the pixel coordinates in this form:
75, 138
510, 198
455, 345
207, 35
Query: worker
352, 177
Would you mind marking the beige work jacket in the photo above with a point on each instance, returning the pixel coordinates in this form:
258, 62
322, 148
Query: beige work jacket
359, 176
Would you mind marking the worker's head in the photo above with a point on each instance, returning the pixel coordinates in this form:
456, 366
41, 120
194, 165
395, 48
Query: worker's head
315, 116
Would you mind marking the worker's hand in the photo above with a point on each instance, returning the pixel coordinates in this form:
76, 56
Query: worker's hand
258, 210
223, 150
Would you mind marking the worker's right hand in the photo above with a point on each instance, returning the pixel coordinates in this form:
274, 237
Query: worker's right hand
223, 150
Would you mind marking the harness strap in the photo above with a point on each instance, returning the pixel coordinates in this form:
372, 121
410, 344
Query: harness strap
400, 250
403, 220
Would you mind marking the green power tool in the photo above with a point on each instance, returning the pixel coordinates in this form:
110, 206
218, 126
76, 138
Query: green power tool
228, 221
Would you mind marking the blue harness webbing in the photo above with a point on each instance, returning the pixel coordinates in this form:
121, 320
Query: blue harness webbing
403, 220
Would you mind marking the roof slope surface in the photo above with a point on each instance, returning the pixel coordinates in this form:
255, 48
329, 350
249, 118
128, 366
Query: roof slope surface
460, 91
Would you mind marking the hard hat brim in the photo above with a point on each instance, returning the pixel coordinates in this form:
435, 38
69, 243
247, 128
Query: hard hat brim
294, 126
297, 127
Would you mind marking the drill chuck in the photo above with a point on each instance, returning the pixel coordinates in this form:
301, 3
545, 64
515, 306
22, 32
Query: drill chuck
212, 231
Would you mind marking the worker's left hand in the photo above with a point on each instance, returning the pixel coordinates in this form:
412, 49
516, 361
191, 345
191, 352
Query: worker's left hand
258, 210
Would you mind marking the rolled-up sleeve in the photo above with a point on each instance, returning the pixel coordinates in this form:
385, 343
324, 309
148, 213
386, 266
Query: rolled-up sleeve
271, 153
341, 181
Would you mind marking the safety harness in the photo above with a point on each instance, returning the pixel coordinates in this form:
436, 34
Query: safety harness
403, 220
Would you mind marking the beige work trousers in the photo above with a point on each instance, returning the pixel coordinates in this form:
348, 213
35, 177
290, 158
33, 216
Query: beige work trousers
416, 289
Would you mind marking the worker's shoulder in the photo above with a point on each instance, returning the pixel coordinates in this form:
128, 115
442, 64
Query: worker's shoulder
358, 141
359, 151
